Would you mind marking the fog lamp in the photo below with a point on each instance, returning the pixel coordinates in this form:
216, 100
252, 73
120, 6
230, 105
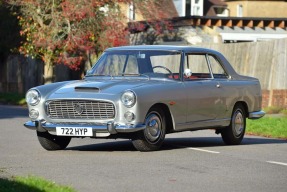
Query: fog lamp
129, 116
33, 114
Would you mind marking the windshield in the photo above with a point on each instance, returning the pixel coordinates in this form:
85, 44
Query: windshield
162, 64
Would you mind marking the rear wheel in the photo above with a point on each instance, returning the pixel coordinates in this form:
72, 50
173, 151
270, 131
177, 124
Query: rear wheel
152, 137
53, 142
234, 133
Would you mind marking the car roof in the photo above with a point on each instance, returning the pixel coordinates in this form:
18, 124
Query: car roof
163, 47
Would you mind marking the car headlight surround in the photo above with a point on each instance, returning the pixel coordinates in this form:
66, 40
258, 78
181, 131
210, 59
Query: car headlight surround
128, 98
33, 97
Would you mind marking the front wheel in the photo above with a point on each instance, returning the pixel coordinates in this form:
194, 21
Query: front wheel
234, 133
53, 142
152, 137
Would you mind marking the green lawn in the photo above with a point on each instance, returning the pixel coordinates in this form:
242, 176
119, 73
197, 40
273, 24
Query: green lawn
269, 126
31, 184
12, 98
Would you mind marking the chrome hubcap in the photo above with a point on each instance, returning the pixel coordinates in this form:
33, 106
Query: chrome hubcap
153, 129
238, 123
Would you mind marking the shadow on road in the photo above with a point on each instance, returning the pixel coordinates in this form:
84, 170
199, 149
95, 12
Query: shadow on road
107, 146
9, 111
175, 143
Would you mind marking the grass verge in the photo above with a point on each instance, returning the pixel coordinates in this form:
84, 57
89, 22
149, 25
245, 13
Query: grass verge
12, 98
31, 184
275, 127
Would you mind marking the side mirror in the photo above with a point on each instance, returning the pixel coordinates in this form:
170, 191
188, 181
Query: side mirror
187, 73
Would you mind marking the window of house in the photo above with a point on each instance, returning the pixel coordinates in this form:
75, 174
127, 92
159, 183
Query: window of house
131, 12
197, 7
221, 11
239, 11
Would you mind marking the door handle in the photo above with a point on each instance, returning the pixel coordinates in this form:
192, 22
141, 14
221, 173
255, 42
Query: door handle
218, 85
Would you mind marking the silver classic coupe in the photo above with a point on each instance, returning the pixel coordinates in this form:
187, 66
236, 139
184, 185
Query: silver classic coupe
143, 93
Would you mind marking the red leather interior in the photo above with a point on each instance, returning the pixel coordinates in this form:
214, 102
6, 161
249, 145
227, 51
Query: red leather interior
177, 77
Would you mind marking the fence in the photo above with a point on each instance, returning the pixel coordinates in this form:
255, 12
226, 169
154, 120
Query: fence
265, 60
20, 73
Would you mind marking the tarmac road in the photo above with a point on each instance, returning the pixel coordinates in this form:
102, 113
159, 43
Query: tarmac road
189, 161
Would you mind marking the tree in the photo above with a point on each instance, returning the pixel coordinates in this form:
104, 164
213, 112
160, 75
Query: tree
9, 33
156, 23
68, 31
9, 39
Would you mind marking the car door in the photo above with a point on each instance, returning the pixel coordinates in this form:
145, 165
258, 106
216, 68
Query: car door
225, 85
203, 91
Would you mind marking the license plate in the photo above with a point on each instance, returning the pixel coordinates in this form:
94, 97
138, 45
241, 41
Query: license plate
74, 131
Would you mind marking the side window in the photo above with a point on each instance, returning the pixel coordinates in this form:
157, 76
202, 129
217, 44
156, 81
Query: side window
171, 62
196, 66
216, 67
166, 65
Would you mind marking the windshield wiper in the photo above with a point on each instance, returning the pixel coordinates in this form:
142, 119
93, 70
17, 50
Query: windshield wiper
97, 75
133, 74
121, 74
130, 74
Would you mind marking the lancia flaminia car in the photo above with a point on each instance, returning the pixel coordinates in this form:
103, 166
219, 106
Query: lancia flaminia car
143, 93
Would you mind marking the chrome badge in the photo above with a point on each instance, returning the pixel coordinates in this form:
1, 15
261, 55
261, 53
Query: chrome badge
79, 108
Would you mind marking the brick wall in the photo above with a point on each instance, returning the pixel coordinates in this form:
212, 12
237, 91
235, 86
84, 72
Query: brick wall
278, 98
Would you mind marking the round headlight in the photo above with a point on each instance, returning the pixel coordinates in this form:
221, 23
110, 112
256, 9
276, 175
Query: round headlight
128, 98
33, 97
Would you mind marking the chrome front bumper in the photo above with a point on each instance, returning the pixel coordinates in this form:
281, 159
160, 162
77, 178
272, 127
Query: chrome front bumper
110, 127
256, 114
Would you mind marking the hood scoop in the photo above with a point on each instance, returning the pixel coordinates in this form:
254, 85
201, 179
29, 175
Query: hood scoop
87, 88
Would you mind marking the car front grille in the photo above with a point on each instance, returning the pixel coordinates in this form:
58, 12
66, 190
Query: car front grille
80, 109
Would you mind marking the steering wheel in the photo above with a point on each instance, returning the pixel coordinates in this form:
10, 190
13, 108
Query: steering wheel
159, 66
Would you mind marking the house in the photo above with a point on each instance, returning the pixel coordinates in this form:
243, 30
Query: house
256, 8
261, 20
224, 21
178, 8
231, 8
201, 8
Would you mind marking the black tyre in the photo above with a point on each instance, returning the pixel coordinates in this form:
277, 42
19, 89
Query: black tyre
152, 137
53, 142
234, 133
